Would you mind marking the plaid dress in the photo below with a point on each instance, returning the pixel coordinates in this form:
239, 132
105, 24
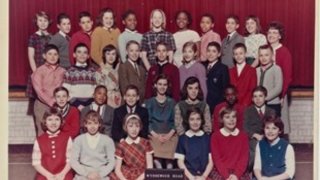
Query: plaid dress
150, 40
38, 42
133, 158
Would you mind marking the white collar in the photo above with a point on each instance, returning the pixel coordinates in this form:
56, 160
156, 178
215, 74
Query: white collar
262, 108
130, 31
62, 33
277, 47
240, 67
130, 141
191, 133
51, 135
81, 65
162, 63
133, 108
235, 132
188, 65
274, 142
211, 64
231, 34
132, 62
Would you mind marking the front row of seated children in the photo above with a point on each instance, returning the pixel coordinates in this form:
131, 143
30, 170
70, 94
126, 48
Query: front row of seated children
92, 155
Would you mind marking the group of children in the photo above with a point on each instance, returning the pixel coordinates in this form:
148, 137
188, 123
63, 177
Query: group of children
121, 93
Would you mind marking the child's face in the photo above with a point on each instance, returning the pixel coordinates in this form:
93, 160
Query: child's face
130, 22
100, 96
42, 23
51, 57
53, 123
251, 26
61, 98
265, 57
65, 25
161, 53
193, 91
271, 132
107, 20
161, 86
239, 55
86, 24
230, 121
212, 53
273, 36
206, 24
81, 55
133, 52
259, 99
131, 97
157, 19
231, 25
111, 56
92, 126
230, 96
182, 21
133, 129
195, 122
188, 54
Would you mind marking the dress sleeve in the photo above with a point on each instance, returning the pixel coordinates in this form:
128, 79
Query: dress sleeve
180, 151
290, 161
36, 154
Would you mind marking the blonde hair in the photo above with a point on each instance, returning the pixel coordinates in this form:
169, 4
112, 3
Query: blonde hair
131, 117
164, 21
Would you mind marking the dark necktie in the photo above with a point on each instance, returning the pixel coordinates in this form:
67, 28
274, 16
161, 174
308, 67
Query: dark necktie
99, 109
261, 114
67, 38
136, 69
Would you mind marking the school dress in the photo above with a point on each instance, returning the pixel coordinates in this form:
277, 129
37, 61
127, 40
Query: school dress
161, 121
188, 150
133, 156
230, 154
109, 77
52, 151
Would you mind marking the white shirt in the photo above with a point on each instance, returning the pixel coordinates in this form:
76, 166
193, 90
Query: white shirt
191, 133
262, 108
129, 109
63, 34
274, 52
131, 141
95, 107
81, 64
224, 132
188, 65
240, 68
210, 65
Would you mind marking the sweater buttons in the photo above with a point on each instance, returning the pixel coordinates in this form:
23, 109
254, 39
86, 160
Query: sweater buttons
52, 142
53, 147
53, 156
53, 152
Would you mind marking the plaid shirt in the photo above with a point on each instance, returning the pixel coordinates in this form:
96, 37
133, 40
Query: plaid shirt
150, 39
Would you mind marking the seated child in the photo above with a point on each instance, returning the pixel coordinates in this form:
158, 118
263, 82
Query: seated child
196, 164
99, 105
51, 150
131, 100
253, 119
134, 153
80, 78
274, 157
92, 153
70, 114
229, 149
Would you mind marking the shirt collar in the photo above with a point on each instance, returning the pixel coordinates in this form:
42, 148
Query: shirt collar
163, 63
277, 47
211, 64
130, 141
51, 135
131, 62
208, 32
231, 34
191, 133
262, 108
129, 108
50, 66
81, 65
62, 34
226, 133
188, 65
130, 31
275, 141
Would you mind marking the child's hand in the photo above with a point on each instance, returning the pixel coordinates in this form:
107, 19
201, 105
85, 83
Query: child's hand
93, 176
200, 178
258, 137
60, 176
80, 107
141, 177
232, 177
51, 177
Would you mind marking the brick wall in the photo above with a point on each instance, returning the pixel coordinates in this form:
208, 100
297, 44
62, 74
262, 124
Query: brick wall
21, 128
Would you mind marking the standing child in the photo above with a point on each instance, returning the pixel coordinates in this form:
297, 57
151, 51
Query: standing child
229, 42
208, 35
82, 36
80, 78
274, 156
282, 57
129, 20
70, 114
156, 34
253, 40
99, 105
191, 67
134, 153
44, 80
270, 76
51, 150
92, 153
192, 96
132, 72
196, 164
131, 100
183, 35
253, 120
229, 149
242, 76
37, 43
106, 33
108, 75
61, 39
161, 124
163, 67
217, 75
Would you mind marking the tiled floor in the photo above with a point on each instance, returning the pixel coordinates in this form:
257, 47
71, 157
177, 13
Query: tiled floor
20, 162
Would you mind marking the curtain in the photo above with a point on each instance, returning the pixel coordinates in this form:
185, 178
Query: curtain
297, 16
